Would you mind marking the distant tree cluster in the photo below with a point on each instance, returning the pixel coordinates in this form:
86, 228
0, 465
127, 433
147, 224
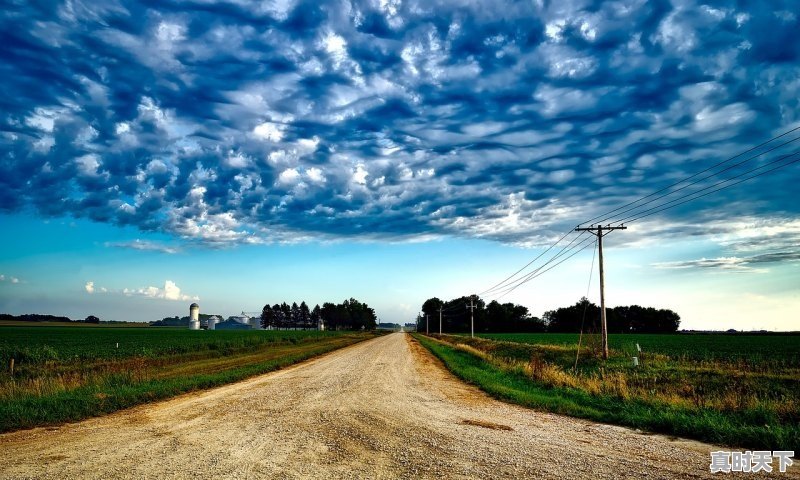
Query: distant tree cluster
34, 317
496, 317
348, 315
37, 317
630, 319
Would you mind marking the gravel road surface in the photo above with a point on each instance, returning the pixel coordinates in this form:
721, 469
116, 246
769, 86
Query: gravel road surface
384, 408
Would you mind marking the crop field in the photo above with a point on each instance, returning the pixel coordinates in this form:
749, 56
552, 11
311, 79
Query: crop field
734, 348
64, 373
736, 390
34, 345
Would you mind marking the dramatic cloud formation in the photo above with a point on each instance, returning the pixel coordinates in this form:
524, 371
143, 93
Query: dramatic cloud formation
230, 122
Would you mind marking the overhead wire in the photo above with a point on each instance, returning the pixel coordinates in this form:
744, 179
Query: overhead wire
656, 209
593, 219
566, 248
538, 273
499, 284
730, 167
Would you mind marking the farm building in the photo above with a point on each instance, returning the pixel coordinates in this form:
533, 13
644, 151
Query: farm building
231, 324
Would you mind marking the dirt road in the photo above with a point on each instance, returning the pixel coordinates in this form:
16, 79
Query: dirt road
380, 409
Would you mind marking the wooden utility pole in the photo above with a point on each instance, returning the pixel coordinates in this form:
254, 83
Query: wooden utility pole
471, 307
440, 320
598, 231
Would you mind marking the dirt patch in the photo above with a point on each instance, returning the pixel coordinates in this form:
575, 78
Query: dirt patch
484, 424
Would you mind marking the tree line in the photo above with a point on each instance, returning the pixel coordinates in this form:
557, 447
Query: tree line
37, 317
496, 317
348, 315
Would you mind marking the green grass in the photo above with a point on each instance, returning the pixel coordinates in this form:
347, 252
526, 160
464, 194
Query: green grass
653, 399
775, 349
66, 374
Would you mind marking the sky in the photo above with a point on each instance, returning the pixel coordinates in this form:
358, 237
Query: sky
155, 154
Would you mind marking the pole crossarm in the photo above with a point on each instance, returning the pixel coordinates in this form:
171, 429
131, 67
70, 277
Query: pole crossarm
594, 229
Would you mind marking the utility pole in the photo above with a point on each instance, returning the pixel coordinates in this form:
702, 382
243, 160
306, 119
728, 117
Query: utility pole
471, 307
598, 231
440, 320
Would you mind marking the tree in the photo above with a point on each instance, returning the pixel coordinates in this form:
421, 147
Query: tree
286, 311
570, 319
329, 316
92, 319
295, 315
280, 318
305, 315
267, 317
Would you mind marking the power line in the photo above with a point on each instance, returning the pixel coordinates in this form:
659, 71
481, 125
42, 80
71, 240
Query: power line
526, 265
657, 209
697, 181
694, 175
540, 273
511, 286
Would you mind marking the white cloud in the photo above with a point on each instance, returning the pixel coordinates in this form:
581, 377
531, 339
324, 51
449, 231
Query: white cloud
269, 131
144, 245
122, 128
315, 175
170, 292
360, 174
89, 287
4, 278
88, 164
237, 160
290, 176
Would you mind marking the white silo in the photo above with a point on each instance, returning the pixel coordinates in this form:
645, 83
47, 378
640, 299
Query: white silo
255, 323
212, 322
194, 317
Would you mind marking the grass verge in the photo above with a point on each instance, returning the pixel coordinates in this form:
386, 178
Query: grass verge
512, 382
42, 399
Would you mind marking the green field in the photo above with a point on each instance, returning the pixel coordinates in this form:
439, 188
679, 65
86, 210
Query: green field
736, 390
64, 373
773, 349
33, 345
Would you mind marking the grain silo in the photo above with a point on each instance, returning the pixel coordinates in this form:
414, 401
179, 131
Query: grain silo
194, 317
212, 322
